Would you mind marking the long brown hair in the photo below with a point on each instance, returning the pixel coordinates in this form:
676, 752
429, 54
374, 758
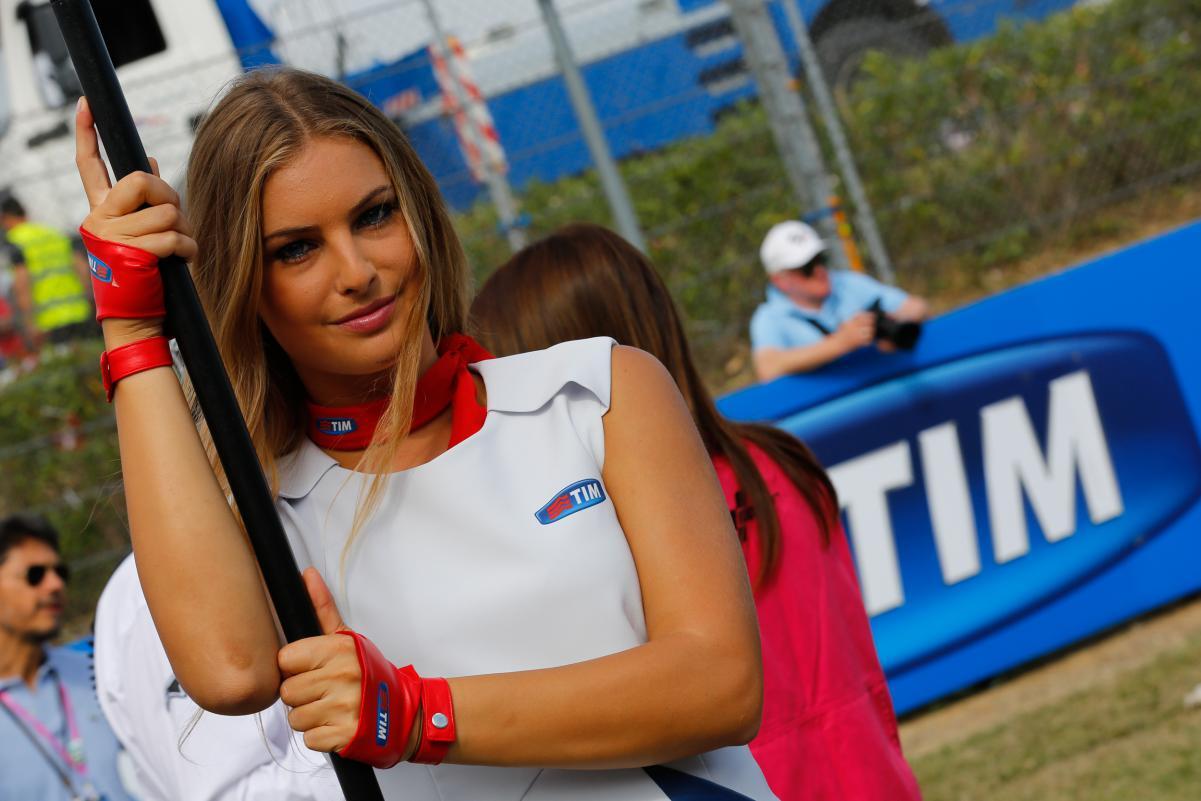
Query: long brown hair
585, 281
262, 122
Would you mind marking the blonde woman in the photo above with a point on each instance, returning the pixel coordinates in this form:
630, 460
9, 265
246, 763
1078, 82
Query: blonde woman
545, 531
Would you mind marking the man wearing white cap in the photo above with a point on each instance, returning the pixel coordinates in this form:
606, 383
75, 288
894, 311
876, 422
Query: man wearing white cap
814, 315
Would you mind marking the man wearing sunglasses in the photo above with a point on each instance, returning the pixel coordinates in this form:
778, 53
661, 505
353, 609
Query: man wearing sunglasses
54, 742
814, 315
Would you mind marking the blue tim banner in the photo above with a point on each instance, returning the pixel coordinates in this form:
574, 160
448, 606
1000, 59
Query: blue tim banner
1029, 476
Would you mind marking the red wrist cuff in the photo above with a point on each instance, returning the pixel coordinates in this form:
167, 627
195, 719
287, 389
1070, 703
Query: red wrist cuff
387, 708
392, 698
437, 722
133, 358
125, 279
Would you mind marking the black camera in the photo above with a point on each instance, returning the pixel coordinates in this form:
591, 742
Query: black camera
903, 334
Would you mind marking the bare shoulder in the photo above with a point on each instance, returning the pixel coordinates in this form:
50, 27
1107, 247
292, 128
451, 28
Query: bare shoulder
639, 378
646, 410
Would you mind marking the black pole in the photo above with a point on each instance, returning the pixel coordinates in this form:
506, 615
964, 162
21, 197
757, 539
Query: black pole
187, 323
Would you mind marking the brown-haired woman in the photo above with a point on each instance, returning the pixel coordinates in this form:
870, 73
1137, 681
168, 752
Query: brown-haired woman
828, 727
463, 510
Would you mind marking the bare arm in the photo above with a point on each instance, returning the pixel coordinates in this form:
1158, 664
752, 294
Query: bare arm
695, 685
914, 309
855, 333
196, 567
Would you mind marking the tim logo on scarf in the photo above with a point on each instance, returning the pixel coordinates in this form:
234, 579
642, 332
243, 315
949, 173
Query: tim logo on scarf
570, 500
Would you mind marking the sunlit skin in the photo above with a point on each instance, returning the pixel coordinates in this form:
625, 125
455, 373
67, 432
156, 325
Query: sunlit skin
806, 291
809, 292
29, 616
340, 270
694, 686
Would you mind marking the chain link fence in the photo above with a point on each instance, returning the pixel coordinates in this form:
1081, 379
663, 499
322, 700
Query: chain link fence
995, 139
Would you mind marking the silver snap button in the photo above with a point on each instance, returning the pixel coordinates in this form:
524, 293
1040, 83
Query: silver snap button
440, 720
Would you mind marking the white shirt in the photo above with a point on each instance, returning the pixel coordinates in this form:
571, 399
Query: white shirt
178, 752
502, 554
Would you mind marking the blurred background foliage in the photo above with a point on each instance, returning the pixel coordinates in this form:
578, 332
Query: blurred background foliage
976, 157
58, 457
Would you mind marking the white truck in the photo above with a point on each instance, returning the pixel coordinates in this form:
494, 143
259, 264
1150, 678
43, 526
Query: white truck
172, 57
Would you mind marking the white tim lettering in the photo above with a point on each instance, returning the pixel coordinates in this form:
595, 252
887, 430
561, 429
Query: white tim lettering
863, 484
950, 503
593, 491
1013, 462
576, 496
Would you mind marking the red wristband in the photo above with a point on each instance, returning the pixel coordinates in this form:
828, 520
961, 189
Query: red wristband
125, 279
437, 722
122, 362
392, 698
387, 708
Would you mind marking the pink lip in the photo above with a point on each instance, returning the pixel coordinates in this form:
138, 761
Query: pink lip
370, 318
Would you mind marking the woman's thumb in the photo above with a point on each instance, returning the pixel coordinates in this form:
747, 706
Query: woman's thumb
323, 602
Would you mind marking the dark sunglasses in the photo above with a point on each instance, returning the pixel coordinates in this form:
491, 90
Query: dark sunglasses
36, 573
811, 266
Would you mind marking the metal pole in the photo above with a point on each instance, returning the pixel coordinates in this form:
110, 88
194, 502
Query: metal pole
594, 135
794, 135
498, 185
189, 326
864, 217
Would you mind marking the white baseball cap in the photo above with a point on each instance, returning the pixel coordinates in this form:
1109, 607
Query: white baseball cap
789, 245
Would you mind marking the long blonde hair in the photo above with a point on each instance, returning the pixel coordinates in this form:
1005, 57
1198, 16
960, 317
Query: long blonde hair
261, 123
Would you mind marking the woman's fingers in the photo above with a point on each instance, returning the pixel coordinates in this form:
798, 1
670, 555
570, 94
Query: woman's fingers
334, 652
335, 713
303, 688
92, 170
155, 219
328, 739
163, 244
136, 190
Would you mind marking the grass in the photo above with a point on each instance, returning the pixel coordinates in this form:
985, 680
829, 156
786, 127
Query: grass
1126, 739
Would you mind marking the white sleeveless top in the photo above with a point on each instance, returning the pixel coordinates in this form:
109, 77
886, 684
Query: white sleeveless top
502, 554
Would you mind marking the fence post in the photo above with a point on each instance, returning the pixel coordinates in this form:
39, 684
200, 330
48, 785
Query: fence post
794, 135
494, 178
594, 135
864, 217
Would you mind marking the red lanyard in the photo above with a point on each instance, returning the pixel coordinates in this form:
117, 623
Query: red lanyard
447, 382
72, 752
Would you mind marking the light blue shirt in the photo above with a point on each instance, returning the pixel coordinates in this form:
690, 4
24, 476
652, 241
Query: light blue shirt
25, 772
780, 323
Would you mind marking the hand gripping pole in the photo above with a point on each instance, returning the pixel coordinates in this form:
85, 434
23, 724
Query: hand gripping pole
187, 323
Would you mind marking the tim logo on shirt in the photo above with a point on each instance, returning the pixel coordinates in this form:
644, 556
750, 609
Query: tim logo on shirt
570, 500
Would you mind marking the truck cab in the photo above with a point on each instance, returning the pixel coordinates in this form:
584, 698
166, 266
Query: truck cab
171, 58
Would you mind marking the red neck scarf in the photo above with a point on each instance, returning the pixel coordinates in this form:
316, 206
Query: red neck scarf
448, 382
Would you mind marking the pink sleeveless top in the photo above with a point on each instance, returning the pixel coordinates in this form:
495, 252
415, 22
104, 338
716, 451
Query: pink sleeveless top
829, 732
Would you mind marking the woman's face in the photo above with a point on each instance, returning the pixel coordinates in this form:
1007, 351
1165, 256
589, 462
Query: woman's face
340, 270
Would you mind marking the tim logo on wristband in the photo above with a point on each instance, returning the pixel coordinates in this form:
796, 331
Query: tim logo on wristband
100, 271
572, 499
381, 715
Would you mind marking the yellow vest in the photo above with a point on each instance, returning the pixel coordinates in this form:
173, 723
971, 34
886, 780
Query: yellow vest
58, 294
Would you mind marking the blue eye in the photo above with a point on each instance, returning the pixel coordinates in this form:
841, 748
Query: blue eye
294, 251
376, 215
